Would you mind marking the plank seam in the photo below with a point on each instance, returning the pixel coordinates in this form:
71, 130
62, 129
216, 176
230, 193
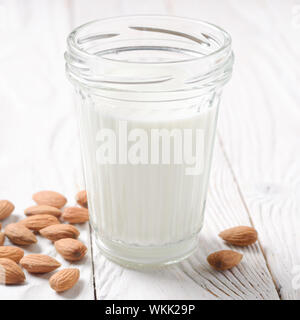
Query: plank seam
92, 258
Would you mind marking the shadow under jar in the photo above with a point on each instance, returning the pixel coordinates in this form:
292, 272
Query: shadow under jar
148, 90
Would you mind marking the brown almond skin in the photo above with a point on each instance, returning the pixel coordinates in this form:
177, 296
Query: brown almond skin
12, 253
40, 221
39, 263
70, 249
50, 198
61, 231
224, 259
2, 238
75, 215
64, 279
42, 209
239, 236
12, 274
19, 234
6, 209
81, 198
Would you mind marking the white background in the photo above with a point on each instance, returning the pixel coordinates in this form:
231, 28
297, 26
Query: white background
256, 170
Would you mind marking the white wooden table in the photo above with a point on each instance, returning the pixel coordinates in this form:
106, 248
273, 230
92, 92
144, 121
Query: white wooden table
256, 170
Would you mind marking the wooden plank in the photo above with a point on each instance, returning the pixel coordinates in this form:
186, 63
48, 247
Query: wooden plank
95, 9
38, 137
260, 132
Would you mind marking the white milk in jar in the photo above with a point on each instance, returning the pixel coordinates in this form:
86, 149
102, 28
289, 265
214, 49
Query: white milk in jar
148, 97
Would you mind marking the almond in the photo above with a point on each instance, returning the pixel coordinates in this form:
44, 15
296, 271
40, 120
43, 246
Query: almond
2, 238
70, 249
239, 236
76, 215
64, 279
39, 222
81, 198
10, 272
6, 208
60, 231
43, 209
39, 263
50, 198
0, 226
19, 234
12, 253
224, 259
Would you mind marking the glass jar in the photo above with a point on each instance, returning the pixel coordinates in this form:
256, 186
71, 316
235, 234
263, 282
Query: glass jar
148, 90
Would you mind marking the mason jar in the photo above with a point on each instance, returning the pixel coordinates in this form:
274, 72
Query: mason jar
148, 90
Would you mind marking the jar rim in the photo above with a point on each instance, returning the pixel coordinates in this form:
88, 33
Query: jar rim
72, 39
139, 56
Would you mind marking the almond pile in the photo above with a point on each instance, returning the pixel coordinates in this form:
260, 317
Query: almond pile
43, 219
241, 236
